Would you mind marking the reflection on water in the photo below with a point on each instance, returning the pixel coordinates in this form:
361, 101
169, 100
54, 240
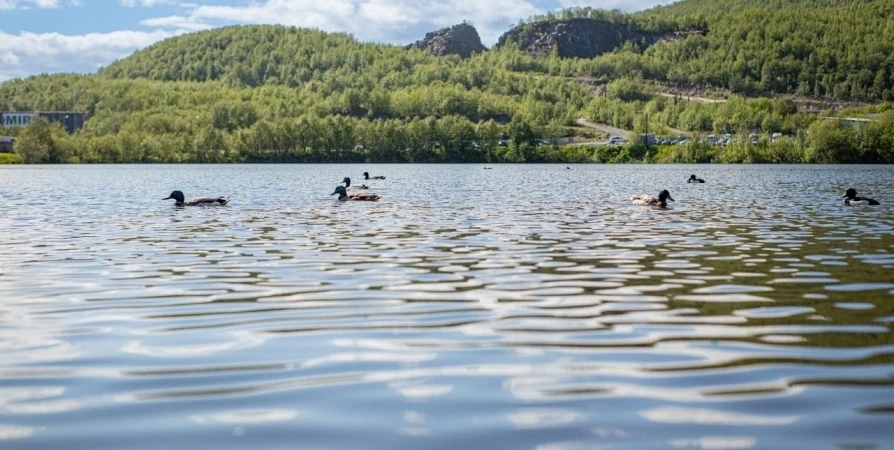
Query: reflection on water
523, 307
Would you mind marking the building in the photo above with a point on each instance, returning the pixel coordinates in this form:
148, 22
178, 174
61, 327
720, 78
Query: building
71, 121
6, 144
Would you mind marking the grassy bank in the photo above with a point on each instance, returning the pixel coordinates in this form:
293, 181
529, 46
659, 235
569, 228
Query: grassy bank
10, 158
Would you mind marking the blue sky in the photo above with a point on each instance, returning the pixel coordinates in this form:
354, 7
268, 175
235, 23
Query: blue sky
49, 36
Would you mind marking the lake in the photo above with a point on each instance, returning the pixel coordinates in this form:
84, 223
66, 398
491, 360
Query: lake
524, 307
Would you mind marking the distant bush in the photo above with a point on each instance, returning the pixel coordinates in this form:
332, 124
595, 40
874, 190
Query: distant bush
10, 158
628, 90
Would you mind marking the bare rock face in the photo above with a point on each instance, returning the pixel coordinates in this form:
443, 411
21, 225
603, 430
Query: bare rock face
574, 38
462, 40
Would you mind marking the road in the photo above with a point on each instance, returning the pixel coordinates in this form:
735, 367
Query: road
612, 131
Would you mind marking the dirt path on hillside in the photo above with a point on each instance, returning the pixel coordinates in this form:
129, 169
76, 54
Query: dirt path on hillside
693, 99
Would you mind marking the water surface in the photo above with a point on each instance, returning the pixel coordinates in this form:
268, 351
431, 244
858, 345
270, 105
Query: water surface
524, 307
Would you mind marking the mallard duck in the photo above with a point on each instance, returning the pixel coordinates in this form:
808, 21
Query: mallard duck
344, 196
367, 177
347, 182
202, 201
850, 198
693, 179
651, 200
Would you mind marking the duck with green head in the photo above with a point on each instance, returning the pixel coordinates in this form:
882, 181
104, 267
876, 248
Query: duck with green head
651, 200
180, 200
357, 196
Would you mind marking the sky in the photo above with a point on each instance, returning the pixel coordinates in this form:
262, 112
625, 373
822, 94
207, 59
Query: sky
51, 36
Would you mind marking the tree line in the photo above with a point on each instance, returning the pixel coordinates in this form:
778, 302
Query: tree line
271, 93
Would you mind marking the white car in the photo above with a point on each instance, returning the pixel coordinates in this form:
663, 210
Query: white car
617, 140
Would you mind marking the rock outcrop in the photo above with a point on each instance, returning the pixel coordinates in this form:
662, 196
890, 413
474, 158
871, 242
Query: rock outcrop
574, 38
462, 40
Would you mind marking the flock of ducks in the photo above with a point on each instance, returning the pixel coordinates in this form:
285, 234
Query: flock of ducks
850, 197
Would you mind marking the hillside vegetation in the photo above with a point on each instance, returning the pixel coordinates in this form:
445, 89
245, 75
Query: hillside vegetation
340, 101
273, 93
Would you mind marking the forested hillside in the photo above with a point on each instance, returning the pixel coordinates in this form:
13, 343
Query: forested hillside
822, 48
840, 49
273, 93
340, 100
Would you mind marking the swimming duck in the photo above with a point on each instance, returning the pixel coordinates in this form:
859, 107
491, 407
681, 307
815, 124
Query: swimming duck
367, 177
850, 198
343, 195
651, 200
693, 179
347, 182
202, 201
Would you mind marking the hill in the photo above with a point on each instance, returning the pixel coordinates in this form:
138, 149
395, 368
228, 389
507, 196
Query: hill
273, 93
462, 40
710, 8
262, 54
581, 37
822, 48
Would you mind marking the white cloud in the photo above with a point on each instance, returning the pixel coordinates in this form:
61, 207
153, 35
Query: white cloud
27, 4
31, 53
177, 22
393, 21
624, 5
377, 20
144, 3
31, 4
8, 58
152, 3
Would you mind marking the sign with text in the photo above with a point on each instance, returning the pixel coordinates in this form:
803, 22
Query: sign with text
16, 119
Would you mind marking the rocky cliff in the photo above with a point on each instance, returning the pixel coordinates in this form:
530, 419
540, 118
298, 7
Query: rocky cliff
574, 38
462, 40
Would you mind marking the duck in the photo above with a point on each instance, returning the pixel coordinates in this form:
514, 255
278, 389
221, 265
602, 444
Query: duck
367, 177
180, 200
693, 179
344, 196
347, 182
651, 200
850, 198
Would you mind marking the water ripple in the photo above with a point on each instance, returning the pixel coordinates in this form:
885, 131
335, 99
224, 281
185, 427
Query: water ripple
523, 307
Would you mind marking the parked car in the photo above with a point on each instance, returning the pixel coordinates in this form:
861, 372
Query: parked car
616, 140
